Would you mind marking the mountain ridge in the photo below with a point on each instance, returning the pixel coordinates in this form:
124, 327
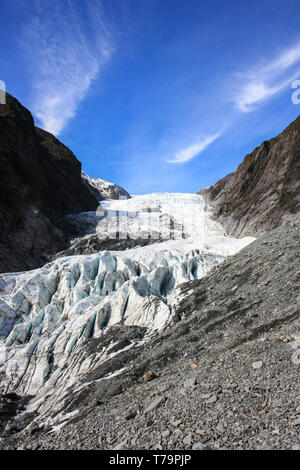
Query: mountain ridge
264, 192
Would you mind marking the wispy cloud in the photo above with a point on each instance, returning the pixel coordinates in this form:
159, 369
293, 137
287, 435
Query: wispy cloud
192, 151
249, 89
262, 82
64, 57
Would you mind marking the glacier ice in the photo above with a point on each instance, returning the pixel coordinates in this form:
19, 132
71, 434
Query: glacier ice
47, 315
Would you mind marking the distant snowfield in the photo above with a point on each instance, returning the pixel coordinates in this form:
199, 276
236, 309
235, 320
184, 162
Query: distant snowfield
187, 214
46, 315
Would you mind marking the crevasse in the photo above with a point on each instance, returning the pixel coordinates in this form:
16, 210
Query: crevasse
48, 314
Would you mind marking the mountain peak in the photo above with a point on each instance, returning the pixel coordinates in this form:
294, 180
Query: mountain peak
102, 189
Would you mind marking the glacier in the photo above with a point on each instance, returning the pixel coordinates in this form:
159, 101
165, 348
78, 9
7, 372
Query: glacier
48, 315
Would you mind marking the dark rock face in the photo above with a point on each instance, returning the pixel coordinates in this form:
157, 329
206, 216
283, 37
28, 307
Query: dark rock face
264, 192
40, 183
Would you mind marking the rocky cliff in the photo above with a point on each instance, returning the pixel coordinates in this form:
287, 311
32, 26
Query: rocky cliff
264, 192
41, 182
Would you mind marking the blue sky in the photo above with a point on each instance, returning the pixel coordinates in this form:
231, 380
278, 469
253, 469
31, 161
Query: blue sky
155, 95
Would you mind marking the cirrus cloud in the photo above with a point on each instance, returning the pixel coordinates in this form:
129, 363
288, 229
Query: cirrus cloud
262, 82
66, 49
192, 151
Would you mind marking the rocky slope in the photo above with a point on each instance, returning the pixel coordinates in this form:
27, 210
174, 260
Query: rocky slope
40, 183
264, 192
223, 375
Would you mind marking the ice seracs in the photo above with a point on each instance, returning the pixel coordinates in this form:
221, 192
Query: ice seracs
47, 315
